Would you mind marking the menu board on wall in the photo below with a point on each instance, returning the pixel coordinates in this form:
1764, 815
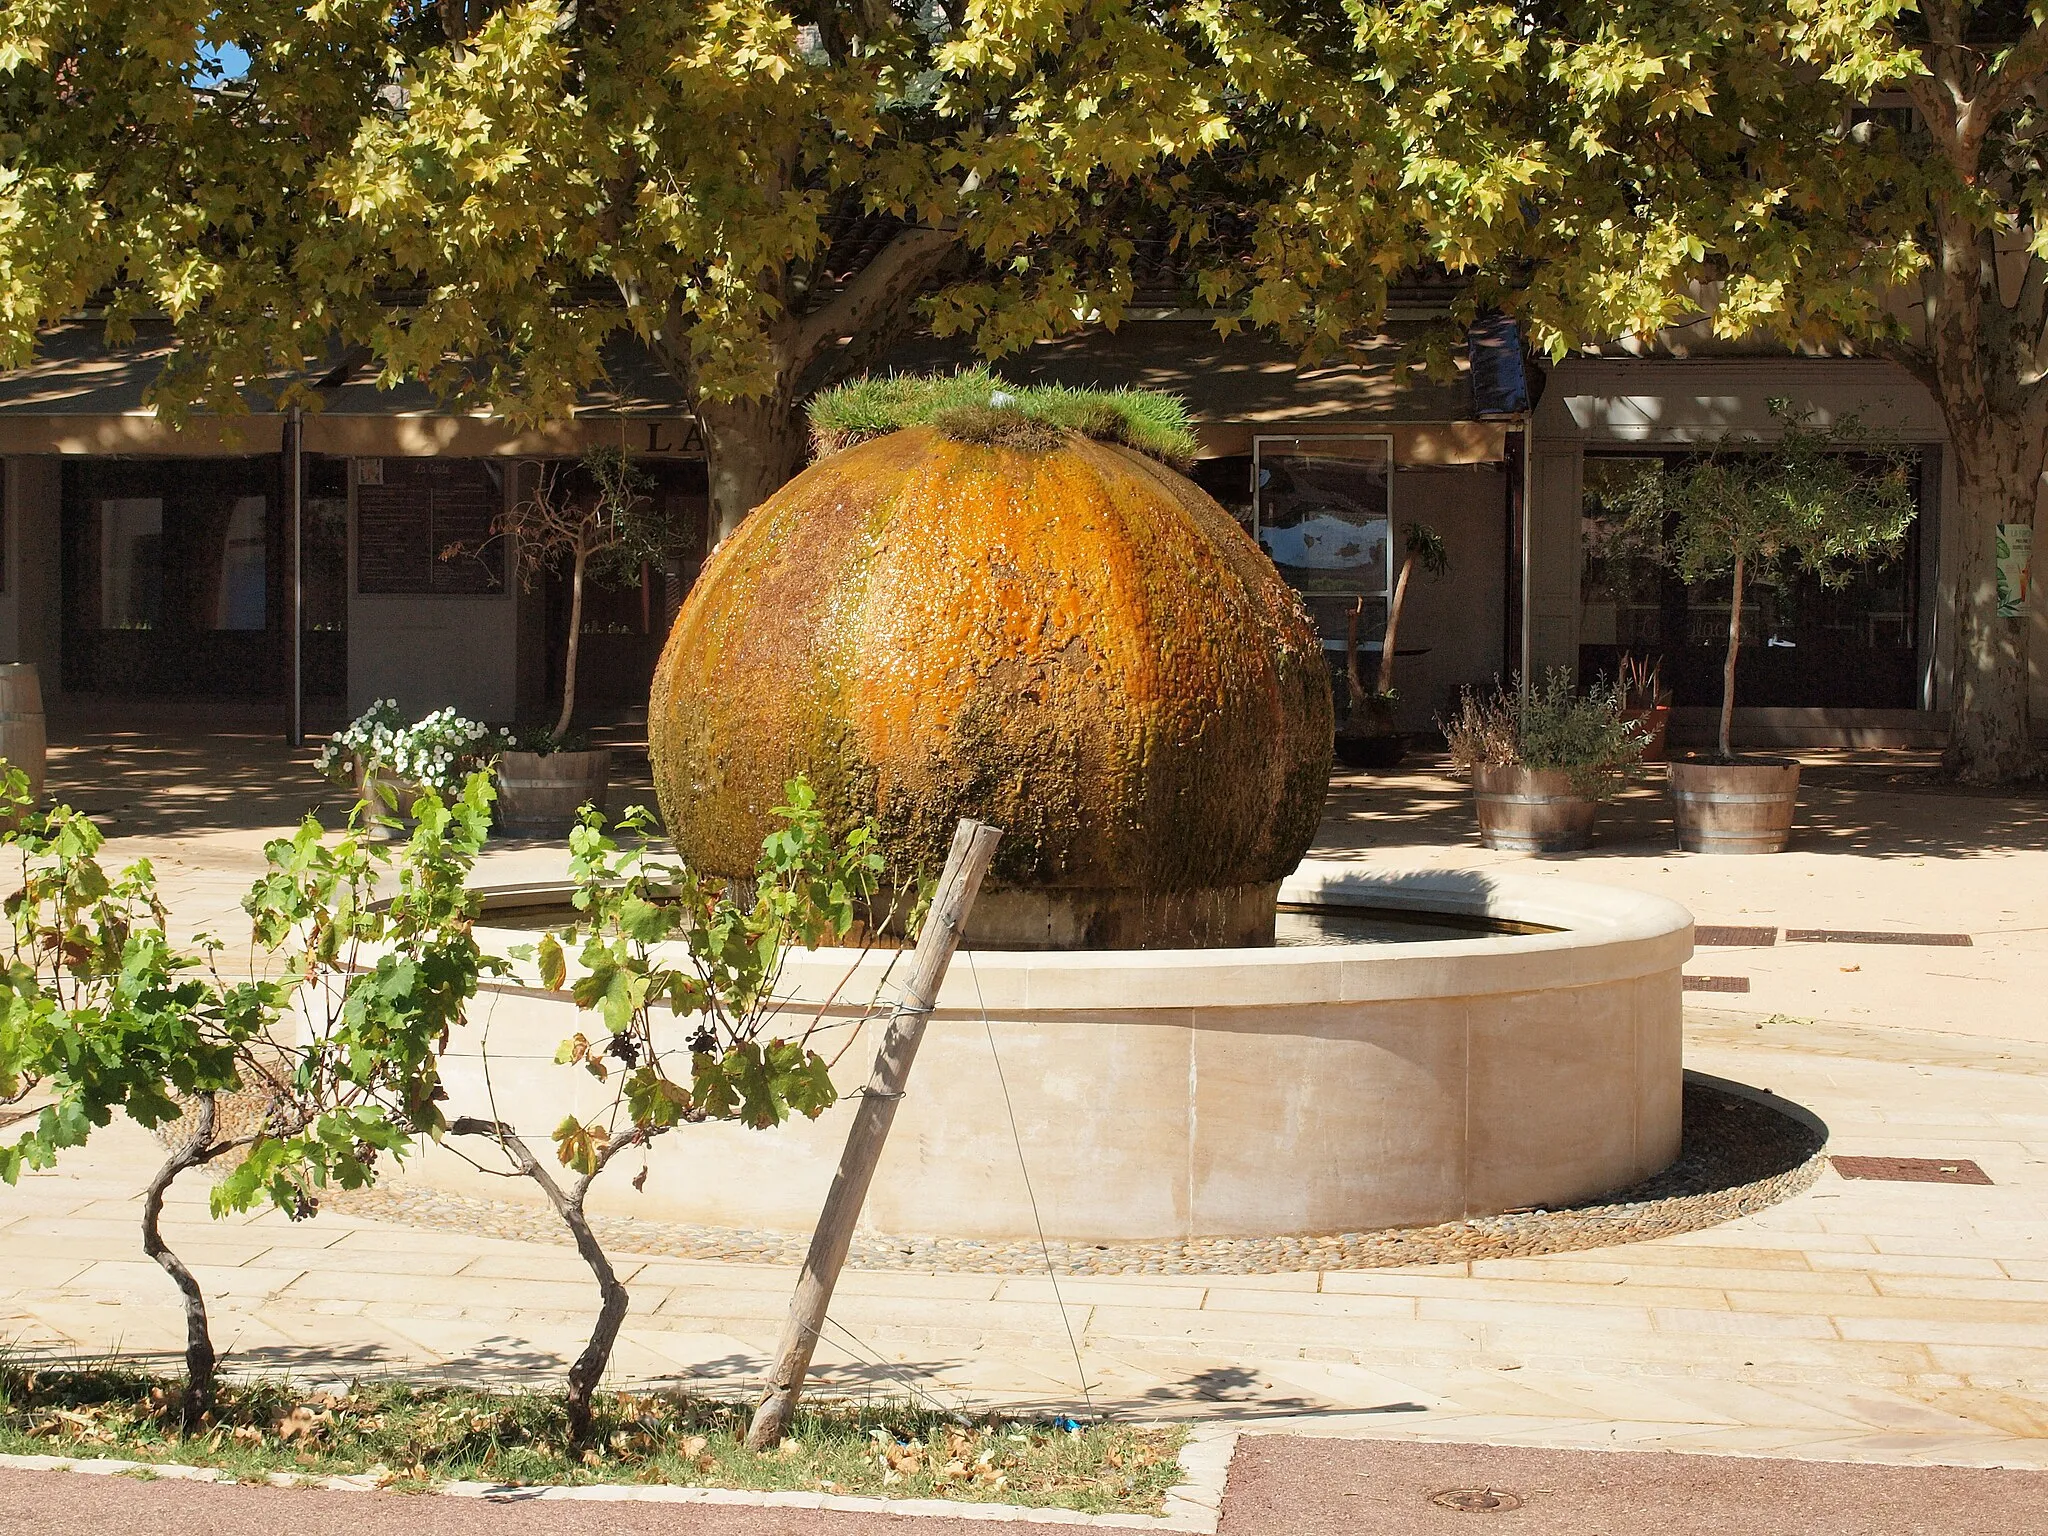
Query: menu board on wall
410, 515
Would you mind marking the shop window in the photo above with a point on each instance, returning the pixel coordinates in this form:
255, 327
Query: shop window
1805, 645
131, 562
242, 582
628, 610
323, 542
170, 575
1323, 509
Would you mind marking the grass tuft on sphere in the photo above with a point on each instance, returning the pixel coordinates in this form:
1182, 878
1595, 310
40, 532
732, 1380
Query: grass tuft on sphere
975, 406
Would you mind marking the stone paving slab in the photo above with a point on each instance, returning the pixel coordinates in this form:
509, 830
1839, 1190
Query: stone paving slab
1815, 1328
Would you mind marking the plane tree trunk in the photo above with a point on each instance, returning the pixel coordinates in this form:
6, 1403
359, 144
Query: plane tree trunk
751, 447
1981, 356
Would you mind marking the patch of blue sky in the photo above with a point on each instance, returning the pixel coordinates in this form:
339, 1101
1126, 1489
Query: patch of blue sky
220, 63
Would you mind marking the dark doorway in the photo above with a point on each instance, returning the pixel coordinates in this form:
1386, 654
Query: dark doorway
175, 577
324, 547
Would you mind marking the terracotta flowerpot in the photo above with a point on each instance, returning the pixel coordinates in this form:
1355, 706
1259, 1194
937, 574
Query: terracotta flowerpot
1374, 751
1655, 721
542, 792
1742, 807
1525, 810
22, 741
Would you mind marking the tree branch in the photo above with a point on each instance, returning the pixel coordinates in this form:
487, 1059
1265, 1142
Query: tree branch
516, 1149
883, 286
2025, 60
1942, 25
589, 1366
200, 1359
1937, 109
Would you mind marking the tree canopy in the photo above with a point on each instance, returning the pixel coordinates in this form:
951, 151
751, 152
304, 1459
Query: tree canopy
488, 197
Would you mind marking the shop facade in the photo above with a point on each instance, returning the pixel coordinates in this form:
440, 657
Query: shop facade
297, 563
1869, 663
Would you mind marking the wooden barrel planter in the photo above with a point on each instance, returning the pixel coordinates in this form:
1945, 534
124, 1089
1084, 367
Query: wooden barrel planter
1741, 807
23, 741
1527, 810
542, 792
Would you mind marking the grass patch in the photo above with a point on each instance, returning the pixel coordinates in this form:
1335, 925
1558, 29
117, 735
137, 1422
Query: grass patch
410, 1436
977, 407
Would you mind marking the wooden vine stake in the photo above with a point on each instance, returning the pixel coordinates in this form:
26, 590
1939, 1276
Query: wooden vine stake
974, 844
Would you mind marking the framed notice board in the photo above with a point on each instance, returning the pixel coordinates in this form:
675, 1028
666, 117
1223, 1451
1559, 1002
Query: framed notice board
411, 512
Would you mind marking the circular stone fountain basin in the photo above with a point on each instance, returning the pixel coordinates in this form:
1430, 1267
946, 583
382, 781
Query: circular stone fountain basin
1177, 1094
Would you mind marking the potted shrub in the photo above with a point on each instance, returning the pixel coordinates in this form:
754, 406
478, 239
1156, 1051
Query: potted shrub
591, 521
1367, 738
1646, 701
1818, 500
386, 762
1541, 759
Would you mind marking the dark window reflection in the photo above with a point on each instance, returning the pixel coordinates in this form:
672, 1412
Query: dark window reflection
1805, 645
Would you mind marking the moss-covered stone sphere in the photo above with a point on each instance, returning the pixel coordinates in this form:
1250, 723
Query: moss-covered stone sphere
1069, 641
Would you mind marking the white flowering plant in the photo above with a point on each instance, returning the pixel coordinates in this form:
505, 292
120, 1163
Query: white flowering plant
439, 750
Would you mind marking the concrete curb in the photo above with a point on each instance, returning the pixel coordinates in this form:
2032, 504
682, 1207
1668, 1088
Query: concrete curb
1193, 1505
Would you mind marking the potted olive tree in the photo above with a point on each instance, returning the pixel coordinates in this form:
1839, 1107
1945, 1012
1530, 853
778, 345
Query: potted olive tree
1541, 759
1823, 501
591, 521
1367, 738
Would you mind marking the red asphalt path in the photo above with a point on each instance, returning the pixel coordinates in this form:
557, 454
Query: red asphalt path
1279, 1486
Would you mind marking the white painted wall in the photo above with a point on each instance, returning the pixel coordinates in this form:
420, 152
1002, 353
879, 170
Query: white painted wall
427, 652
1458, 617
431, 651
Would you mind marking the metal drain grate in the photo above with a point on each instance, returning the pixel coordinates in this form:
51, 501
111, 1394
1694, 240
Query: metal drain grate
1714, 983
1857, 936
1477, 1501
1715, 936
1912, 1170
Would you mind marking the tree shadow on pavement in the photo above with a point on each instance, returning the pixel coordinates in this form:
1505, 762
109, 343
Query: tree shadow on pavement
1848, 804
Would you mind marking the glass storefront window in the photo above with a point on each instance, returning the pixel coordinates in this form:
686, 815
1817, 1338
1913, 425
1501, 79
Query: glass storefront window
1805, 645
131, 562
324, 545
1323, 511
239, 602
169, 570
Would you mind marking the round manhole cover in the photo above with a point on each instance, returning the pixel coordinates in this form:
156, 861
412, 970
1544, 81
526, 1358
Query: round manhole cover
1477, 1501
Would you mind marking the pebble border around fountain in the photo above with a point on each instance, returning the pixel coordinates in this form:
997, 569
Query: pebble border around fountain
1743, 1152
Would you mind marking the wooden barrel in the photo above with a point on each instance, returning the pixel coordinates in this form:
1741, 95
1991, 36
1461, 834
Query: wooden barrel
543, 792
1522, 810
1743, 807
23, 742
